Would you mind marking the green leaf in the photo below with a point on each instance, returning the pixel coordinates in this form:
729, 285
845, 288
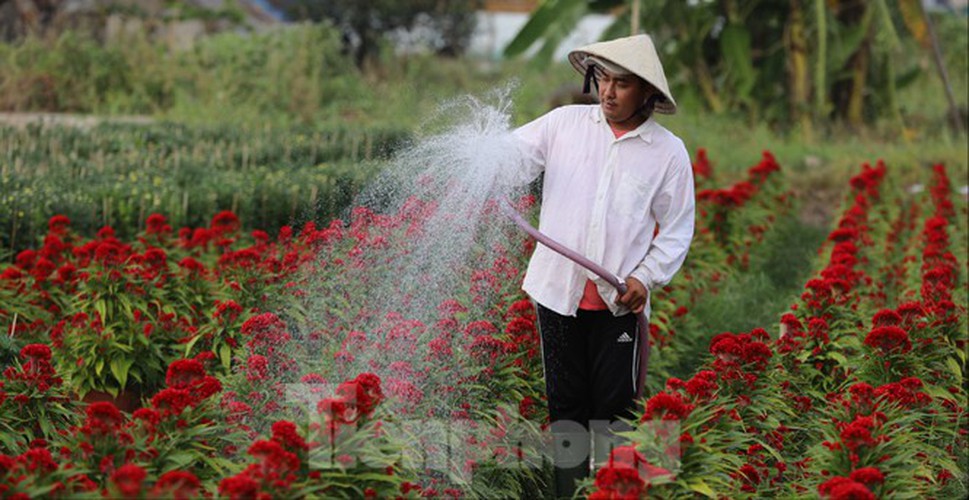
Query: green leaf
954, 367
840, 358
545, 17
190, 344
225, 354
702, 488
735, 44
120, 368
99, 366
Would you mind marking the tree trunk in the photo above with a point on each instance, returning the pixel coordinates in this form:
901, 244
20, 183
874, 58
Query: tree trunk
821, 62
859, 77
707, 87
29, 14
798, 84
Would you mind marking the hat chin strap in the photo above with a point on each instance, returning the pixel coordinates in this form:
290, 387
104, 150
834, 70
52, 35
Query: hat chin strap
590, 78
647, 108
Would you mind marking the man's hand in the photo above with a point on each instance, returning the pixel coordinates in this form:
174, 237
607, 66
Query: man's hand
635, 297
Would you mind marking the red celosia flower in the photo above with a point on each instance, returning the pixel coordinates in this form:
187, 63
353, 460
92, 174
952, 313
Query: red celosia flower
726, 347
103, 418
257, 368
206, 387
851, 490
619, 482
858, 433
128, 479
886, 317
157, 224
225, 222
58, 224
702, 166
337, 410
192, 266
869, 476
284, 433
239, 487
666, 407
37, 461
276, 462
147, 415
226, 311
171, 401
183, 373
450, 307
702, 386
178, 485
36, 352
888, 339
25, 259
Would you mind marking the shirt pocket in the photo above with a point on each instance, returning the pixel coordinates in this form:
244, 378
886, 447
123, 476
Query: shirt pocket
632, 196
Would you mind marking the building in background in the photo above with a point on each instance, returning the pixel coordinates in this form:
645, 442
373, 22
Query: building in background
500, 20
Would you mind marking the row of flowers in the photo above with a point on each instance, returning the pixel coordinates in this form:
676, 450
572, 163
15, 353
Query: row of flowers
183, 321
851, 401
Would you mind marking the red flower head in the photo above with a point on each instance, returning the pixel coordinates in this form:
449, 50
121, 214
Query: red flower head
257, 368
362, 392
702, 386
36, 353
284, 433
103, 418
184, 373
58, 224
171, 401
337, 410
276, 462
843, 488
889, 339
128, 479
869, 476
192, 266
239, 487
792, 325
25, 259
157, 224
37, 460
667, 406
726, 347
177, 485
619, 482
225, 222
701, 166
858, 433
886, 317
111, 253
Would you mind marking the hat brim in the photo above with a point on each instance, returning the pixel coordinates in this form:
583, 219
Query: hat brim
578, 60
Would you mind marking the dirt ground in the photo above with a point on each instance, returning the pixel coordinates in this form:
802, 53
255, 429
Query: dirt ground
21, 120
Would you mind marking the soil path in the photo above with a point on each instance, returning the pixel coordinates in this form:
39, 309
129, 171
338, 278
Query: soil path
21, 120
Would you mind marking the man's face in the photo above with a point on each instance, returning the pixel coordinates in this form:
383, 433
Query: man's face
620, 97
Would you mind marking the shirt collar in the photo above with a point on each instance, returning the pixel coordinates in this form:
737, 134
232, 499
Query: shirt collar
644, 130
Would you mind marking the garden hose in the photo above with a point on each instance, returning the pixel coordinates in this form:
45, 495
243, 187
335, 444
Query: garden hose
642, 323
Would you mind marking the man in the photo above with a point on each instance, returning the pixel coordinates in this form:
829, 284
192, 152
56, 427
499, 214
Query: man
613, 177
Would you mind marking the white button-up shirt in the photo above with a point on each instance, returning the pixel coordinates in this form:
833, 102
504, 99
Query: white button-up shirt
604, 197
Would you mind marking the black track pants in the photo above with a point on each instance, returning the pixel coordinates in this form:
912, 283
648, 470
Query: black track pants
590, 373
590, 364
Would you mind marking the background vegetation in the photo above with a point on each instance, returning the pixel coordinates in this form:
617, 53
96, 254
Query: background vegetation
275, 125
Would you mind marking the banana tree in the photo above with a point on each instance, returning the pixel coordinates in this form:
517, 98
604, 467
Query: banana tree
790, 63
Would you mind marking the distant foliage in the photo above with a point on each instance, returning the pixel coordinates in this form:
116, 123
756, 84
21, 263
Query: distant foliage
445, 27
117, 175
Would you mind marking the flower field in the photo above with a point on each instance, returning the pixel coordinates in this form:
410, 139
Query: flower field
216, 361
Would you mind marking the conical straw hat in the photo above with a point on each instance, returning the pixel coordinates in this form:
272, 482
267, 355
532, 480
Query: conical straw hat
634, 53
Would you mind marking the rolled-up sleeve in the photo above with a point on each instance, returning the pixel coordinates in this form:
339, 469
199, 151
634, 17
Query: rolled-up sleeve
674, 210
